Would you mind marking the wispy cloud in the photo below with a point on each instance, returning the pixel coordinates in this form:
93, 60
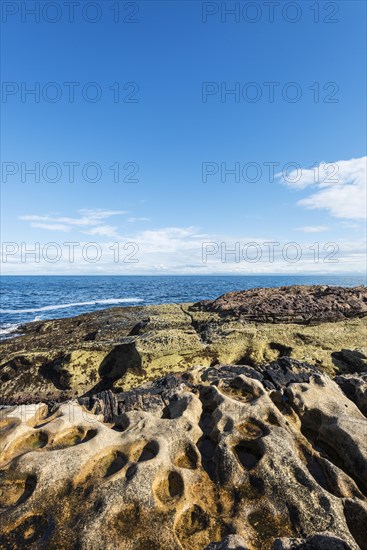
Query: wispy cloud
88, 218
182, 254
340, 187
133, 220
180, 249
313, 228
169, 239
52, 226
103, 230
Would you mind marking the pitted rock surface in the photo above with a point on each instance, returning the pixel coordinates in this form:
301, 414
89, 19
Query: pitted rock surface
216, 458
292, 304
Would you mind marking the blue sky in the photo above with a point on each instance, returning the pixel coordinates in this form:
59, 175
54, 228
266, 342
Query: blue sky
164, 60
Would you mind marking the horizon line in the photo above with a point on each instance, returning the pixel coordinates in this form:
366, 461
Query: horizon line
322, 274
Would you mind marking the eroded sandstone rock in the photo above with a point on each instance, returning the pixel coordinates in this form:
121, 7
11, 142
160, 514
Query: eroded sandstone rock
220, 457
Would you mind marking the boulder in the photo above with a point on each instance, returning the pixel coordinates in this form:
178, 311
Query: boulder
354, 387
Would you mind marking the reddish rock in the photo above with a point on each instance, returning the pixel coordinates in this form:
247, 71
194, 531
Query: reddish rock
291, 304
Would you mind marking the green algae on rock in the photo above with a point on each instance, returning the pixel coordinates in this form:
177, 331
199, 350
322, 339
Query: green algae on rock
123, 347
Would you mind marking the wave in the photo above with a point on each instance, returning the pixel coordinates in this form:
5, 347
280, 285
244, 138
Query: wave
7, 329
75, 304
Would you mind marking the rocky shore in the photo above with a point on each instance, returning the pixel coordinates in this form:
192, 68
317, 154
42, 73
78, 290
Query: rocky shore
238, 423
124, 347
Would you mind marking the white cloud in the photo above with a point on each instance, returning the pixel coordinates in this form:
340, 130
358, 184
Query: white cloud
313, 228
177, 250
64, 223
99, 214
168, 239
340, 187
103, 230
356, 226
132, 220
52, 227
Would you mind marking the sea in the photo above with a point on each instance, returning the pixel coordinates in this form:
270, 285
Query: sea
34, 298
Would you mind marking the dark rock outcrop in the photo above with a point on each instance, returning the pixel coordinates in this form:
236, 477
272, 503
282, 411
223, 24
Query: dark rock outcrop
356, 359
317, 542
157, 395
291, 304
355, 388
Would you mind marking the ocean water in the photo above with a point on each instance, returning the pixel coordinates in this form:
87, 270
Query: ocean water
34, 298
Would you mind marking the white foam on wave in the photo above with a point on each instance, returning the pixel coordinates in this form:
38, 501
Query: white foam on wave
75, 304
7, 329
